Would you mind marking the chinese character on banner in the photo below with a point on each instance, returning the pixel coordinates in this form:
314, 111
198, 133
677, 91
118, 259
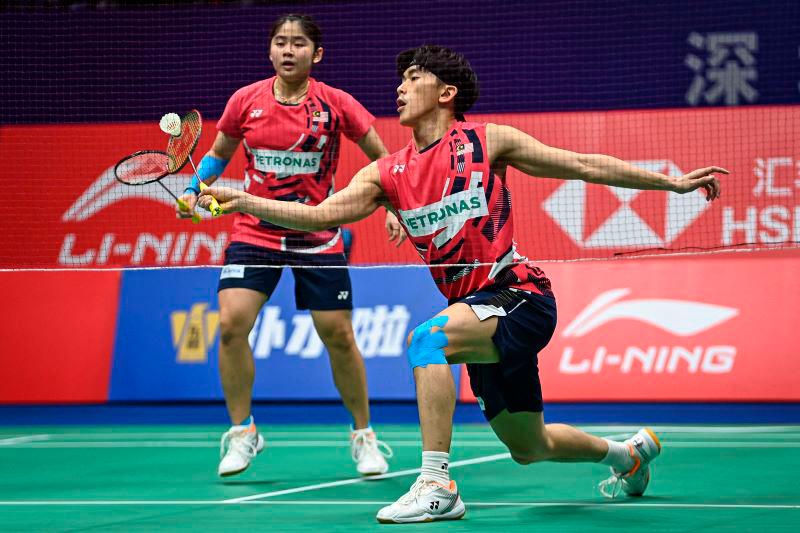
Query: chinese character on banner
725, 70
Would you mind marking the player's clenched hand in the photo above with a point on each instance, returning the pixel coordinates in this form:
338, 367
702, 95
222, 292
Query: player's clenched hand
394, 229
702, 177
229, 199
189, 200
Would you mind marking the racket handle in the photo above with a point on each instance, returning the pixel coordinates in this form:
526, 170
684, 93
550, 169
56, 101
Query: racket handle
215, 208
185, 207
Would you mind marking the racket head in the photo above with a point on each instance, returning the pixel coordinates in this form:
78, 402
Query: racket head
180, 148
143, 167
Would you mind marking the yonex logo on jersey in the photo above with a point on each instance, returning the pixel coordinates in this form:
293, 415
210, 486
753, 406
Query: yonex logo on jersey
451, 212
286, 163
255, 113
397, 169
343, 295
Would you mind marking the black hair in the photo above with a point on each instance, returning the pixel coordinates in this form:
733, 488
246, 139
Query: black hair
449, 66
308, 25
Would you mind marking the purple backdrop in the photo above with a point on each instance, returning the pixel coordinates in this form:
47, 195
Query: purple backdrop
63, 65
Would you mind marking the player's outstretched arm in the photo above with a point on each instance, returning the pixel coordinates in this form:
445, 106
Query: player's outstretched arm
532, 157
356, 201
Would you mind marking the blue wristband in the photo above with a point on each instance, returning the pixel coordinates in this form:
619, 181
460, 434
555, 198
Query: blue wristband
210, 167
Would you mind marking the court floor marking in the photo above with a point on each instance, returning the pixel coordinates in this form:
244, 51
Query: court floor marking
777, 429
604, 504
351, 481
23, 439
343, 444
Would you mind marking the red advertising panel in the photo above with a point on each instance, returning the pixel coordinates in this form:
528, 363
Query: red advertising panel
58, 336
66, 210
674, 329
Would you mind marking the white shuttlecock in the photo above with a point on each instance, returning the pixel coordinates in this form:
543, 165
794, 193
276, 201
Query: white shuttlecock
171, 123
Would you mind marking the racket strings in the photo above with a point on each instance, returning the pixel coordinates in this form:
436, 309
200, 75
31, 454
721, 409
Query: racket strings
182, 146
144, 167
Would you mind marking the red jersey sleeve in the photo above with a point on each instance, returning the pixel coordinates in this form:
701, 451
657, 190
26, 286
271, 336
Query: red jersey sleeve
230, 123
356, 119
385, 166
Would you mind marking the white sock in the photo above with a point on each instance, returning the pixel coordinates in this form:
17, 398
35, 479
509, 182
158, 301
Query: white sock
618, 456
434, 467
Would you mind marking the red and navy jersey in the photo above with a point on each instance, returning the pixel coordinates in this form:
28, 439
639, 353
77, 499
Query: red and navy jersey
457, 213
292, 153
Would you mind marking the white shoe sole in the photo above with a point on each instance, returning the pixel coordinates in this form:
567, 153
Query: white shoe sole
456, 514
259, 448
374, 473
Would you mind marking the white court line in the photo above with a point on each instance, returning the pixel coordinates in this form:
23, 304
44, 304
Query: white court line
626, 429
454, 464
23, 439
343, 444
605, 504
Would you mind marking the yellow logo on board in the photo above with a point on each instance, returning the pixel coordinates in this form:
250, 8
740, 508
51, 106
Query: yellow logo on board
193, 333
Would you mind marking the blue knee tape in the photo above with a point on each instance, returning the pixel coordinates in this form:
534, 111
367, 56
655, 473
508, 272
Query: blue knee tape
426, 347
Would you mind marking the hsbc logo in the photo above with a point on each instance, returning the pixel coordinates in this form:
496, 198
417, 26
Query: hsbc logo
679, 319
614, 217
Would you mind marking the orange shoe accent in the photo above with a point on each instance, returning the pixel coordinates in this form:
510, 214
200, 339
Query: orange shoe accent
636, 462
451, 486
654, 437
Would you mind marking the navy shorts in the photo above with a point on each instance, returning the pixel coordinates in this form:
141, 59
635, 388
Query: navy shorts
525, 324
318, 289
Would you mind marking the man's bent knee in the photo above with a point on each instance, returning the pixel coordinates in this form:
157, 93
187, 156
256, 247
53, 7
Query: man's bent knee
427, 346
534, 454
528, 457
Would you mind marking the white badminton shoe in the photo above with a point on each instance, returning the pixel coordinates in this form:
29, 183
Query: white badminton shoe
238, 447
644, 448
369, 453
426, 501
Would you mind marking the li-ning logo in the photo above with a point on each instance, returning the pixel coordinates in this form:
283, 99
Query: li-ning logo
679, 317
255, 113
106, 190
193, 333
623, 226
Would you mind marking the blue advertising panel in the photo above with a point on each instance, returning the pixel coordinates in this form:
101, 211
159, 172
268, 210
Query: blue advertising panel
167, 340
